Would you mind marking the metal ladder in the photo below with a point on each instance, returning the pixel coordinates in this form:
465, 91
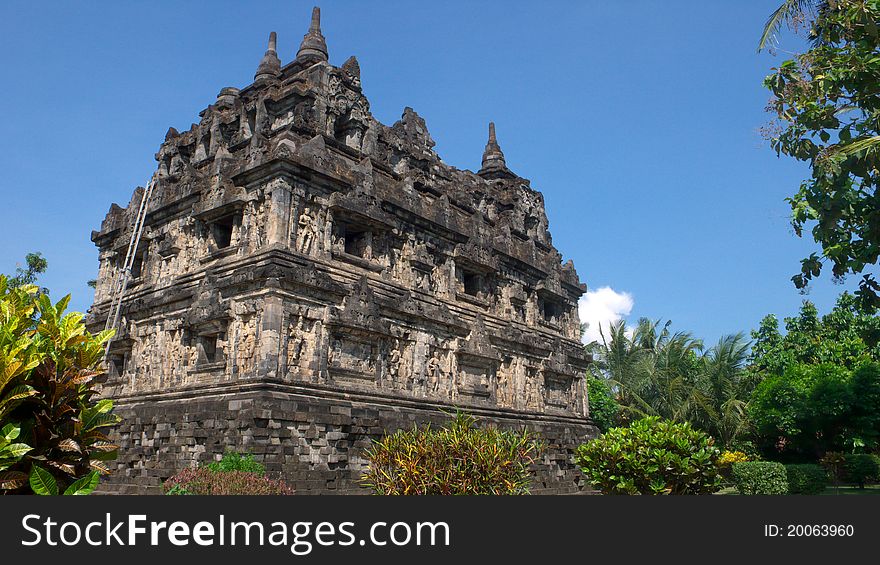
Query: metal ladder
119, 287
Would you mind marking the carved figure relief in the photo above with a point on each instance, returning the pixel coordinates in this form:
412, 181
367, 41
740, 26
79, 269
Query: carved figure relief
247, 346
436, 375
394, 363
307, 232
300, 342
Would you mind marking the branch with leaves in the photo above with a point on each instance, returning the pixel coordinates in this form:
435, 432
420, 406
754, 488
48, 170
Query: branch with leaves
826, 106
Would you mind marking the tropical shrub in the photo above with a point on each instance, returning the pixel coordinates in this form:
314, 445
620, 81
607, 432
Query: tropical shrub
806, 478
651, 456
760, 477
11, 452
861, 468
726, 461
49, 364
206, 481
458, 459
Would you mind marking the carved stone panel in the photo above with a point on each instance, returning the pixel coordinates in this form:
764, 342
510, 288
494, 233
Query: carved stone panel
353, 358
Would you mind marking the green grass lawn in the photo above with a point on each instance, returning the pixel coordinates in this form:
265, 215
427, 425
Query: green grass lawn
847, 489
844, 490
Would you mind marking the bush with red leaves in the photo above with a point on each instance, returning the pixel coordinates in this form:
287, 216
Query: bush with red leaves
206, 481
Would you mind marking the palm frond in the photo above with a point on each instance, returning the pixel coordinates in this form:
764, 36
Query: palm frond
856, 146
784, 14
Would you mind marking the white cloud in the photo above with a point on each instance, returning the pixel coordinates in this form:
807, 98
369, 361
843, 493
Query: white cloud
602, 306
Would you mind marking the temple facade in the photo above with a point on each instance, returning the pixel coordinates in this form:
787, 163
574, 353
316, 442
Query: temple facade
308, 279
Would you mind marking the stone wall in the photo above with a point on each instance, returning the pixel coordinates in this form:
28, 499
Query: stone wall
313, 438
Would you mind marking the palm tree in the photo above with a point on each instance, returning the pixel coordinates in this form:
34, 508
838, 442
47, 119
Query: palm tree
649, 369
617, 360
789, 14
655, 372
727, 388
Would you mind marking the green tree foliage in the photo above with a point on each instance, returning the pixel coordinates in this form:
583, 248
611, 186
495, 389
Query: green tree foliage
827, 113
35, 265
655, 372
864, 410
812, 409
458, 459
48, 367
603, 407
820, 387
651, 456
846, 337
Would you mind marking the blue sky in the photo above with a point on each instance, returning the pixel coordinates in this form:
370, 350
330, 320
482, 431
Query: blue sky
637, 120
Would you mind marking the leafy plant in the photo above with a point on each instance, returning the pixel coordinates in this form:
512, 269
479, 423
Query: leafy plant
48, 367
807, 478
42, 482
10, 454
234, 474
760, 477
176, 490
861, 468
457, 459
207, 481
651, 456
233, 461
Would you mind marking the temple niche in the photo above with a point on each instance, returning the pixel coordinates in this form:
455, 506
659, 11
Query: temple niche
294, 244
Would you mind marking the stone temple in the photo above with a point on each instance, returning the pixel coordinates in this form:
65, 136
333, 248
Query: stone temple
309, 279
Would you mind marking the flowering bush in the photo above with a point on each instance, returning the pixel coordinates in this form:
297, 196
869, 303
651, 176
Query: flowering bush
728, 458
